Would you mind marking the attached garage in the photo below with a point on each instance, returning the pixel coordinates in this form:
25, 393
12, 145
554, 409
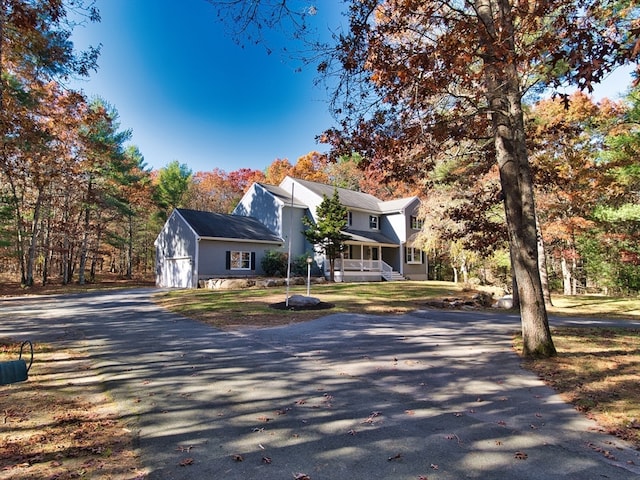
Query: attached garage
178, 272
195, 245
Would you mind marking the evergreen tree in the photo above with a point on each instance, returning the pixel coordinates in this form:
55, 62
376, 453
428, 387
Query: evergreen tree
325, 234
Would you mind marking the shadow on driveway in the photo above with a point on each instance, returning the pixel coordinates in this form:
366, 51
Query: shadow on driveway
434, 394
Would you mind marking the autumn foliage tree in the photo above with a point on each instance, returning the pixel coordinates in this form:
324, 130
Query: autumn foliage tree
412, 75
220, 191
71, 196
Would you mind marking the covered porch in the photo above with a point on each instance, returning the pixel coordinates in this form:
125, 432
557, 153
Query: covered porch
367, 259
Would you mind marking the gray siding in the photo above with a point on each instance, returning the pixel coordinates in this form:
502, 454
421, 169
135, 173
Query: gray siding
213, 258
299, 244
360, 220
263, 206
393, 226
175, 254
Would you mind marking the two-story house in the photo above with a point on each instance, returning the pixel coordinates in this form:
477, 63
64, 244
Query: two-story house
379, 232
195, 246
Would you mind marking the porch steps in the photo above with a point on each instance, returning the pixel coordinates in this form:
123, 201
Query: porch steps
393, 276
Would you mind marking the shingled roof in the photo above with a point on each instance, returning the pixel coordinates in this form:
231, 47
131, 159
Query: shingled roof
219, 225
357, 200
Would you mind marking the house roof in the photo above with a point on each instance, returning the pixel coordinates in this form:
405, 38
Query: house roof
219, 225
357, 200
366, 236
396, 205
348, 198
282, 195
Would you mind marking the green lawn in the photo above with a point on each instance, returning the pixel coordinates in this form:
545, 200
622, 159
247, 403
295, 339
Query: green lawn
251, 307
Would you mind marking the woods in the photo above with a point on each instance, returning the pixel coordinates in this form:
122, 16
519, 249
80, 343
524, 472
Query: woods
464, 105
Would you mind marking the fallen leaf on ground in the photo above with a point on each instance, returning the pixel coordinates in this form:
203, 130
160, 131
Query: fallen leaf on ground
186, 461
301, 476
266, 460
521, 456
397, 456
237, 458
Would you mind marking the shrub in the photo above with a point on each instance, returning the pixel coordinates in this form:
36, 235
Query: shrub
274, 264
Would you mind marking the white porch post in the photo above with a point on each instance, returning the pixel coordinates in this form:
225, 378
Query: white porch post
401, 259
361, 257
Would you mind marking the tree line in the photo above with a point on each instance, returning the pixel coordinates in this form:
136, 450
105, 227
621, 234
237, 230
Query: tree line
431, 96
77, 199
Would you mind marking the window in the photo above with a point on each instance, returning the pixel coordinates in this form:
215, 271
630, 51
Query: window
237, 260
413, 255
416, 223
373, 222
349, 218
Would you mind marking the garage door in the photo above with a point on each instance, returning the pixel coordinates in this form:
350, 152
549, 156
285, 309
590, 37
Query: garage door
178, 272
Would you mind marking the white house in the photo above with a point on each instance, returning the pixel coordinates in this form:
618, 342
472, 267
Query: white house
195, 245
379, 245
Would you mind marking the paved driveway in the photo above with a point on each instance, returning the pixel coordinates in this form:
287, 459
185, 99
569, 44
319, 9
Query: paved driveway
436, 394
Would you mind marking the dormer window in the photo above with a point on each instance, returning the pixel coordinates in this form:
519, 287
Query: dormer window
373, 222
416, 223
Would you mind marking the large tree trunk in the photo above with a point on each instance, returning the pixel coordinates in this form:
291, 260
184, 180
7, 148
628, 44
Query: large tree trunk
505, 106
130, 248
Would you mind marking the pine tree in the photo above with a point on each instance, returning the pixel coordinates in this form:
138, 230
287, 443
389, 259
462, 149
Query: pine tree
326, 232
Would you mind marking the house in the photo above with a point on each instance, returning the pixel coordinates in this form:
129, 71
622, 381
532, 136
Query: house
194, 245
380, 232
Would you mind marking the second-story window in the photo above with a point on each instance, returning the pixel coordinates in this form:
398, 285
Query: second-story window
373, 222
349, 219
416, 223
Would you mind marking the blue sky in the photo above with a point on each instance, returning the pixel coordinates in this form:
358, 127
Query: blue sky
189, 93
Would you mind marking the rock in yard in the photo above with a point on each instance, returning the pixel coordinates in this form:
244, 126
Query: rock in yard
303, 301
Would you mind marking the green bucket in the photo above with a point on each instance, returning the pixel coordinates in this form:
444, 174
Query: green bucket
15, 371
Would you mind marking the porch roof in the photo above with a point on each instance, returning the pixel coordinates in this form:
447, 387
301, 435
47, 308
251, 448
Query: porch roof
364, 236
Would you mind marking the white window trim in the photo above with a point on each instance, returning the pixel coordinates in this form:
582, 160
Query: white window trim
376, 221
241, 254
411, 253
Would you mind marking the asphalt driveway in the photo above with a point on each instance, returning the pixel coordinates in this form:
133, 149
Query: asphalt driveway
433, 394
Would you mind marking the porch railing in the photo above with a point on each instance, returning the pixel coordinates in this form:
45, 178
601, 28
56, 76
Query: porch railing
358, 265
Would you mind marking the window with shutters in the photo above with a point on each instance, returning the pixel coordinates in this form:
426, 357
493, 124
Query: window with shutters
240, 260
413, 255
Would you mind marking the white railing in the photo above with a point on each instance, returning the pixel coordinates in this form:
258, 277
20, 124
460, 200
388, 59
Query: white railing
387, 271
369, 266
358, 265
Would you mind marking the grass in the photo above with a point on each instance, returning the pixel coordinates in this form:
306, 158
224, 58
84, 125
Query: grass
230, 309
596, 370
595, 306
62, 426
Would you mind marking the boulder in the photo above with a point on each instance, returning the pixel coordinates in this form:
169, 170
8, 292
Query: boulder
505, 302
301, 301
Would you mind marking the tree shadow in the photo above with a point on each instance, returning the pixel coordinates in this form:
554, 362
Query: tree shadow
432, 394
